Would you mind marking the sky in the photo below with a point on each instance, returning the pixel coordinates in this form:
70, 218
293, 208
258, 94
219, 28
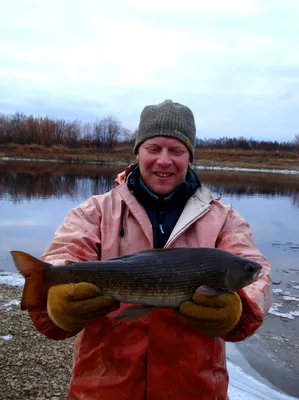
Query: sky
234, 63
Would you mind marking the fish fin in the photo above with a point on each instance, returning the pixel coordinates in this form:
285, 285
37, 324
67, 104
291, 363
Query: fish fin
133, 313
32, 270
209, 291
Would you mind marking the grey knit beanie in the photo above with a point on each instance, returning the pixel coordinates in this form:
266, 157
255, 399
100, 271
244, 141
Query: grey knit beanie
167, 119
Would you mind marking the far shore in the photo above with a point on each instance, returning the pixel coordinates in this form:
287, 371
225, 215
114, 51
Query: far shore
122, 155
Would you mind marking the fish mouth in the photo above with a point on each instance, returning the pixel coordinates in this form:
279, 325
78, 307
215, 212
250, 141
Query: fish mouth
258, 275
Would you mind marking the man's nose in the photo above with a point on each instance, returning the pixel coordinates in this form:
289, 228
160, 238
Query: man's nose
164, 157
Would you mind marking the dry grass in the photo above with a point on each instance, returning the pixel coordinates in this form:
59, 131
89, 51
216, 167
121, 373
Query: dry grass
123, 154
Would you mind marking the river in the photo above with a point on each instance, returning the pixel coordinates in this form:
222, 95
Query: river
35, 197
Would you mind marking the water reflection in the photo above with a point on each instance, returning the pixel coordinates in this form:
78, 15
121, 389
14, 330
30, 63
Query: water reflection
22, 181
26, 181
35, 197
240, 184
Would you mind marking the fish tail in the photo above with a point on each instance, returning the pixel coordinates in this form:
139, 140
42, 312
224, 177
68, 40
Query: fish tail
32, 270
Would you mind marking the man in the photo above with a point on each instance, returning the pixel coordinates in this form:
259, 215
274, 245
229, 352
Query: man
158, 202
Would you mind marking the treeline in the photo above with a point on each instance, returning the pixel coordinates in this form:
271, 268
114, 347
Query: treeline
101, 134
248, 144
105, 134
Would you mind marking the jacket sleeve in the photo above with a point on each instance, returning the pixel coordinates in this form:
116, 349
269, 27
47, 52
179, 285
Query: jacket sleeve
76, 239
236, 237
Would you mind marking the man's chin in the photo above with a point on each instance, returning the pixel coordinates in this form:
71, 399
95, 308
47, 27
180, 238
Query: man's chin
162, 190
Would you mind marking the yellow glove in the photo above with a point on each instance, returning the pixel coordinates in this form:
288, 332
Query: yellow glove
73, 306
212, 315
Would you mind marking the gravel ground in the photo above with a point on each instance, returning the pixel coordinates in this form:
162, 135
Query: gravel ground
31, 366
34, 367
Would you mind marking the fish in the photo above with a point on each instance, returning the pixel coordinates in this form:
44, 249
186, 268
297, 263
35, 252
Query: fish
152, 278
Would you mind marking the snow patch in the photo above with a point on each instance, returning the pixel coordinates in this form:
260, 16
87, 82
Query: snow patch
277, 290
9, 304
7, 337
280, 291
11, 279
278, 338
274, 311
272, 171
291, 298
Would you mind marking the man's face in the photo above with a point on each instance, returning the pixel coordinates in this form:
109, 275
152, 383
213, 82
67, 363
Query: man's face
163, 163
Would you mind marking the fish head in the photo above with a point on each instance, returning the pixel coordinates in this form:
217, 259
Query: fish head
242, 272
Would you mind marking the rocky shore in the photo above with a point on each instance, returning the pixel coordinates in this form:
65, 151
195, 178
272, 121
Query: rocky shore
32, 367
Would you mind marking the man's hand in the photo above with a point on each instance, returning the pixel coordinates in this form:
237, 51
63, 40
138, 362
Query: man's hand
212, 315
73, 306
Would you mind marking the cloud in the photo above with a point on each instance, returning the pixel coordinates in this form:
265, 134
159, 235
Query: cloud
83, 60
169, 7
285, 96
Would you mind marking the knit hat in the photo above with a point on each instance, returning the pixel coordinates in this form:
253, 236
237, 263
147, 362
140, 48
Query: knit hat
167, 119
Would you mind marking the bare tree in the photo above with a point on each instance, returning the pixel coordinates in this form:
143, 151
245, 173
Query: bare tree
18, 128
98, 133
87, 133
113, 130
107, 132
4, 129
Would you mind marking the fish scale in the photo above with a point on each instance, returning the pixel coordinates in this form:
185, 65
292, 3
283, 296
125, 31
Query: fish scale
156, 277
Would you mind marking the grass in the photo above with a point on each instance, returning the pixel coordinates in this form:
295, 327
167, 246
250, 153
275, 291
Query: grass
123, 154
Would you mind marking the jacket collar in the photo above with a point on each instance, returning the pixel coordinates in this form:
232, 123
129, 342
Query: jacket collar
197, 205
149, 199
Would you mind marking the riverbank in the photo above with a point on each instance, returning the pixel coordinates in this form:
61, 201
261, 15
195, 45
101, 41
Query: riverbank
252, 159
32, 367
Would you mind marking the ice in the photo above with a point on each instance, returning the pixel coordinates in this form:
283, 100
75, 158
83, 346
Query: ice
244, 387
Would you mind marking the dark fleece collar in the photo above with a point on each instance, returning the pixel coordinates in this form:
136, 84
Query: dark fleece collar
149, 199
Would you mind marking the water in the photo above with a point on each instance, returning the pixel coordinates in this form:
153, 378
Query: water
35, 197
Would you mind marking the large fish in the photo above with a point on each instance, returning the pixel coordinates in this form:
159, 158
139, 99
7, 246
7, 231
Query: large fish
157, 277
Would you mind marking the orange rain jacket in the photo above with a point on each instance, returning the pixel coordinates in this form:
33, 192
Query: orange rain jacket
158, 357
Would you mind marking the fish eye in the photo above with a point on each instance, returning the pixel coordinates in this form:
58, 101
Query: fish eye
250, 268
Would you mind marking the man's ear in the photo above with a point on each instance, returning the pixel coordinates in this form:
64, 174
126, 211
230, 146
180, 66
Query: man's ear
137, 157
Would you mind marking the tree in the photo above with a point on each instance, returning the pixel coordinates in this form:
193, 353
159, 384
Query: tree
129, 136
112, 131
107, 132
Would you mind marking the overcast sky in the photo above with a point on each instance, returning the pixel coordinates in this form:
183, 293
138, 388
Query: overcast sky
235, 63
